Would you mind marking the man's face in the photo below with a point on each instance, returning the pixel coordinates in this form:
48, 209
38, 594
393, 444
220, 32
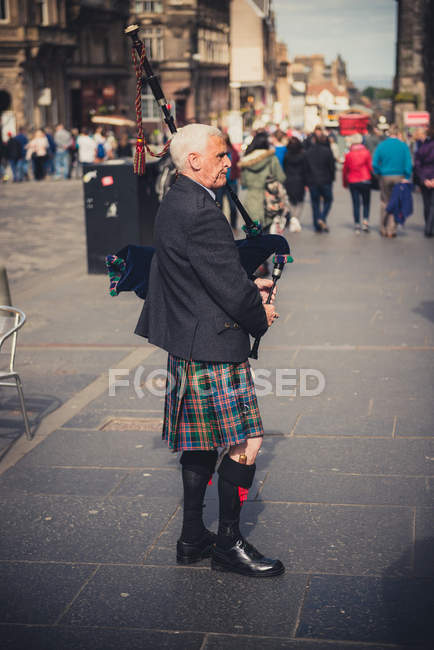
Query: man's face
214, 164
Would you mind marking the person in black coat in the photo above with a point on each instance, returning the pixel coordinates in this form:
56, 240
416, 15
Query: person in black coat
294, 166
320, 172
201, 307
14, 153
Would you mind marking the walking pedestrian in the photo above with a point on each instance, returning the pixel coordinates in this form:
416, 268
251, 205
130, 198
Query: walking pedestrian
279, 141
294, 166
86, 148
125, 149
392, 163
101, 144
23, 164
320, 177
372, 139
356, 175
62, 139
424, 168
201, 307
51, 153
13, 155
258, 163
232, 176
73, 170
3, 159
313, 137
37, 152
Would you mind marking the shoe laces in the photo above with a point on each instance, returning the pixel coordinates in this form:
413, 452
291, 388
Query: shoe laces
249, 548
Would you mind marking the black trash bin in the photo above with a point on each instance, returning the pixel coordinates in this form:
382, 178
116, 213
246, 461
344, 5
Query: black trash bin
119, 206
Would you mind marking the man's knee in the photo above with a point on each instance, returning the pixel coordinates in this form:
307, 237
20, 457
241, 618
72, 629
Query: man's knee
203, 462
249, 448
236, 473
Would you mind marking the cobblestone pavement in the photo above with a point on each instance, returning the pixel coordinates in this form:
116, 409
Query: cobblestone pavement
90, 508
42, 226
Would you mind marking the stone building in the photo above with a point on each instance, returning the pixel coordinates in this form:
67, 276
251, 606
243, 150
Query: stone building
283, 96
253, 60
99, 68
61, 60
187, 44
414, 79
324, 102
319, 91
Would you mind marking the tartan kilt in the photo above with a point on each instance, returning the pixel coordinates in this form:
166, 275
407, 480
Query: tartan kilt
209, 404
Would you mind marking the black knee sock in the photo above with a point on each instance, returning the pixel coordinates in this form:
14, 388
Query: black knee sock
232, 476
197, 469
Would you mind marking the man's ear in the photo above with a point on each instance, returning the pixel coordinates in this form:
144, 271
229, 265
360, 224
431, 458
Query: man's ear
194, 160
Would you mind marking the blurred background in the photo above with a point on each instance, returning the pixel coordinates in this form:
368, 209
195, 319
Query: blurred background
238, 64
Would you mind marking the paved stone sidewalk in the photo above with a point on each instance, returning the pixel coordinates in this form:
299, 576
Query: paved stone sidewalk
91, 510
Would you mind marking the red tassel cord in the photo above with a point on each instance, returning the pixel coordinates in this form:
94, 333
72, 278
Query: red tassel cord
141, 145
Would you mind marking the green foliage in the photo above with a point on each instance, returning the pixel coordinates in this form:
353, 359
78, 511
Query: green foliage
406, 98
377, 93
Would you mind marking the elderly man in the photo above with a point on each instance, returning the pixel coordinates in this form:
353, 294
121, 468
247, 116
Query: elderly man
201, 307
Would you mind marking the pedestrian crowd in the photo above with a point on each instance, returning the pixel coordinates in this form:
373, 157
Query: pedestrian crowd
291, 164
275, 168
58, 153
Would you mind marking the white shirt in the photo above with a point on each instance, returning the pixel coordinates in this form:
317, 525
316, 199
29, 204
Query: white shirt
205, 188
86, 149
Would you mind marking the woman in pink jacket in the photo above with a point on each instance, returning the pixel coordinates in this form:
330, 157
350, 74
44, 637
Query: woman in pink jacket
356, 175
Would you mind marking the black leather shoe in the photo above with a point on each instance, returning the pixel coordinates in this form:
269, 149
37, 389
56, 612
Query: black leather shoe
188, 552
243, 558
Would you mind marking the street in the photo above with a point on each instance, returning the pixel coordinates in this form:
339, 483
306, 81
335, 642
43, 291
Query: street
343, 495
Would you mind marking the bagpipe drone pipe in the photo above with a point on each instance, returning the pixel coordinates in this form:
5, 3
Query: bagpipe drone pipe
129, 268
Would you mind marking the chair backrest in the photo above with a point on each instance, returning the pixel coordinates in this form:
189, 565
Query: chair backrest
19, 318
5, 292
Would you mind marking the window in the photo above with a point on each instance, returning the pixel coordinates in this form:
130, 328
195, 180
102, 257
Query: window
150, 110
153, 41
213, 46
142, 7
4, 10
42, 15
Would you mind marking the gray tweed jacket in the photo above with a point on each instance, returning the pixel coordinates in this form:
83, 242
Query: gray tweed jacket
200, 305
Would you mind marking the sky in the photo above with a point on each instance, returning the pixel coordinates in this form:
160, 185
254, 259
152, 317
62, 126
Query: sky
362, 31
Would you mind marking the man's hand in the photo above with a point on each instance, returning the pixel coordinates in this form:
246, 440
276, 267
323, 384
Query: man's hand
429, 183
271, 314
264, 285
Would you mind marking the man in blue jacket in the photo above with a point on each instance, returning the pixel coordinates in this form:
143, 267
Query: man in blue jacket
392, 163
201, 307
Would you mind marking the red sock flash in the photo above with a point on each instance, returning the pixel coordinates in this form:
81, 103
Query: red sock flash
242, 493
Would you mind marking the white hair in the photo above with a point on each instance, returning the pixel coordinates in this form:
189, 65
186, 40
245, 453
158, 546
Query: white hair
356, 138
189, 139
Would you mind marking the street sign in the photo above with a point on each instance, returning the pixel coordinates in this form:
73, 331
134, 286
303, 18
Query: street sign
416, 118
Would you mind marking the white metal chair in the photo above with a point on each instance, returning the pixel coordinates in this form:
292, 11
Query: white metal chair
19, 318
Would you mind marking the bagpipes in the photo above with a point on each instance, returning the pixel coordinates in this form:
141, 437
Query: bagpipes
129, 268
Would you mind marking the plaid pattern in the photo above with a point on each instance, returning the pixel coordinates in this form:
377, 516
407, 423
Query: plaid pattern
209, 404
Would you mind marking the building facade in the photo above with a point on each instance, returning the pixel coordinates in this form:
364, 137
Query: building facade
414, 78
253, 61
187, 44
319, 91
68, 61
61, 60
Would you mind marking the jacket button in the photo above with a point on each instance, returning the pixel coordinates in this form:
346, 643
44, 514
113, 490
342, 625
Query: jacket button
236, 326
227, 324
